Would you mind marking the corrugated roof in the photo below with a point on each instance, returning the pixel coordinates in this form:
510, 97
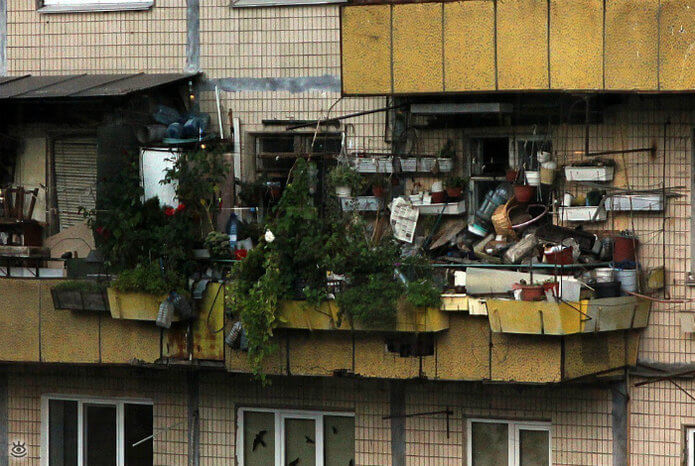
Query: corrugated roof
83, 85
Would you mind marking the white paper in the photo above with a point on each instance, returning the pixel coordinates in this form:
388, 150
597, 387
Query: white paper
403, 219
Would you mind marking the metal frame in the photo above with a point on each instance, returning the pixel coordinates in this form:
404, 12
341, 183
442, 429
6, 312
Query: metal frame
280, 416
265, 3
83, 6
82, 400
513, 445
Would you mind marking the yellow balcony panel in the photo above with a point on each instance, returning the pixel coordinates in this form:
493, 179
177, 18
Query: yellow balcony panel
417, 48
550, 318
677, 53
576, 44
320, 353
373, 360
522, 44
134, 306
632, 41
19, 319
525, 358
366, 49
463, 351
301, 315
123, 341
469, 46
588, 354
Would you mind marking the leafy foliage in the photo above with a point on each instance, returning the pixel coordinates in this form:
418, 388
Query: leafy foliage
88, 286
345, 175
148, 278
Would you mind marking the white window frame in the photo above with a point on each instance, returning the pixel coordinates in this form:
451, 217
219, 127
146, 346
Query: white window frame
81, 6
690, 445
280, 416
513, 443
265, 3
82, 400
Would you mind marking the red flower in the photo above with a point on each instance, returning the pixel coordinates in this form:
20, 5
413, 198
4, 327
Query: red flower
103, 232
169, 211
100, 230
240, 254
181, 207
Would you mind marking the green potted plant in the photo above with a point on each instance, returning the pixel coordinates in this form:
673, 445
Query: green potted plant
80, 295
345, 180
379, 184
454, 187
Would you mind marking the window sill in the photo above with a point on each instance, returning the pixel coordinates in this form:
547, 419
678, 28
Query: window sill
272, 3
97, 7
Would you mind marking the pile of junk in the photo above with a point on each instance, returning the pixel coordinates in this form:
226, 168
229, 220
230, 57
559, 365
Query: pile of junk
510, 247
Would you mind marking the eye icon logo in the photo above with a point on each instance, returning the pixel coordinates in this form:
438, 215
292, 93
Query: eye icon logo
18, 450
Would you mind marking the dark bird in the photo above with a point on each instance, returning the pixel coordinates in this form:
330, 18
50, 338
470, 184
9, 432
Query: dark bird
293, 463
308, 440
335, 429
258, 439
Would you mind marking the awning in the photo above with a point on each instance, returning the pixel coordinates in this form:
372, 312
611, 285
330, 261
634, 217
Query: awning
83, 85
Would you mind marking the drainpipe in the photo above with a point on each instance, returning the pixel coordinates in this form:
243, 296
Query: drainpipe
397, 415
193, 418
619, 413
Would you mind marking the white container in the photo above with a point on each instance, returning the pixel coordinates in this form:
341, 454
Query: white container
409, 164
373, 164
533, 178
582, 214
604, 274
445, 165
361, 203
627, 279
632, 202
567, 200
450, 208
604, 173
343, 191
543, 156
426, 164
437, 187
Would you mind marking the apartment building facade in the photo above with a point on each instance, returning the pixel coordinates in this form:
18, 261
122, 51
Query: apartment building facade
588, 76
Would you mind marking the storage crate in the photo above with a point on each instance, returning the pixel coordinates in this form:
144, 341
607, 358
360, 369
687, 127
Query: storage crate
582, 214
604, 173
635, 202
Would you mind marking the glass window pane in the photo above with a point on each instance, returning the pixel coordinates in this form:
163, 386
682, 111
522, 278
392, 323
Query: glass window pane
62, 433
339, 440
534, 448
300, 442
99, 435
138, 426
259, 438
489, 443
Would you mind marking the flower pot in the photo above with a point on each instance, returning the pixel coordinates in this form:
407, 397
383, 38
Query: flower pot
533, 178
532, 292
524, 193
454, 193
561, 257
438, 197
343, 191
378, 191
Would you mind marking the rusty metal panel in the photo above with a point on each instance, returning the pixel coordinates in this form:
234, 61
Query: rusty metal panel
522, 44
632, 41
677, 54
366, 49
469, 46
576, 44
417, 48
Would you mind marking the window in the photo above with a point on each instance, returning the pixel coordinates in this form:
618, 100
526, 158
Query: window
66, 6
690, 445
496, 442
286, 437
77, 431
261, 3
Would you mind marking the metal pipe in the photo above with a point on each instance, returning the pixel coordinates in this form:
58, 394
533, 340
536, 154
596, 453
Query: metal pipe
651, 149
344, 117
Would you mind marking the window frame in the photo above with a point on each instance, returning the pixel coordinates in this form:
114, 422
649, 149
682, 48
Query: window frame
280, 3
513, 444
690, 445
279, 417
85, 6
81, 401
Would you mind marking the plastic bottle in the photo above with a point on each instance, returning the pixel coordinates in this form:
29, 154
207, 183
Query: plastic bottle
233, 231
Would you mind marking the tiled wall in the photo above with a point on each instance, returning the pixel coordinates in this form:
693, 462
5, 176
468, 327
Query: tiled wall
167, 392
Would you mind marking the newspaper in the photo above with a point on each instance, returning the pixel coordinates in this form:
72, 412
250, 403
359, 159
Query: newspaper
403, 219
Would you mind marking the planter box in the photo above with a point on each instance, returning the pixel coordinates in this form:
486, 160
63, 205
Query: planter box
78, 300
447, 208
135, 306
426, 164
361, 203
635, 202
409, 164
373, 164
589, 173
582, 214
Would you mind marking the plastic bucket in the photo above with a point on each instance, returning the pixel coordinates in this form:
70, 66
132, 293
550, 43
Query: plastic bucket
533, 178
627, 279
604, 274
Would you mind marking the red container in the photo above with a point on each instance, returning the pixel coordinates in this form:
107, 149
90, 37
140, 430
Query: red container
562, 257
532, 292
454, 193
624, 249
439, 198
524, 193
378, 191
